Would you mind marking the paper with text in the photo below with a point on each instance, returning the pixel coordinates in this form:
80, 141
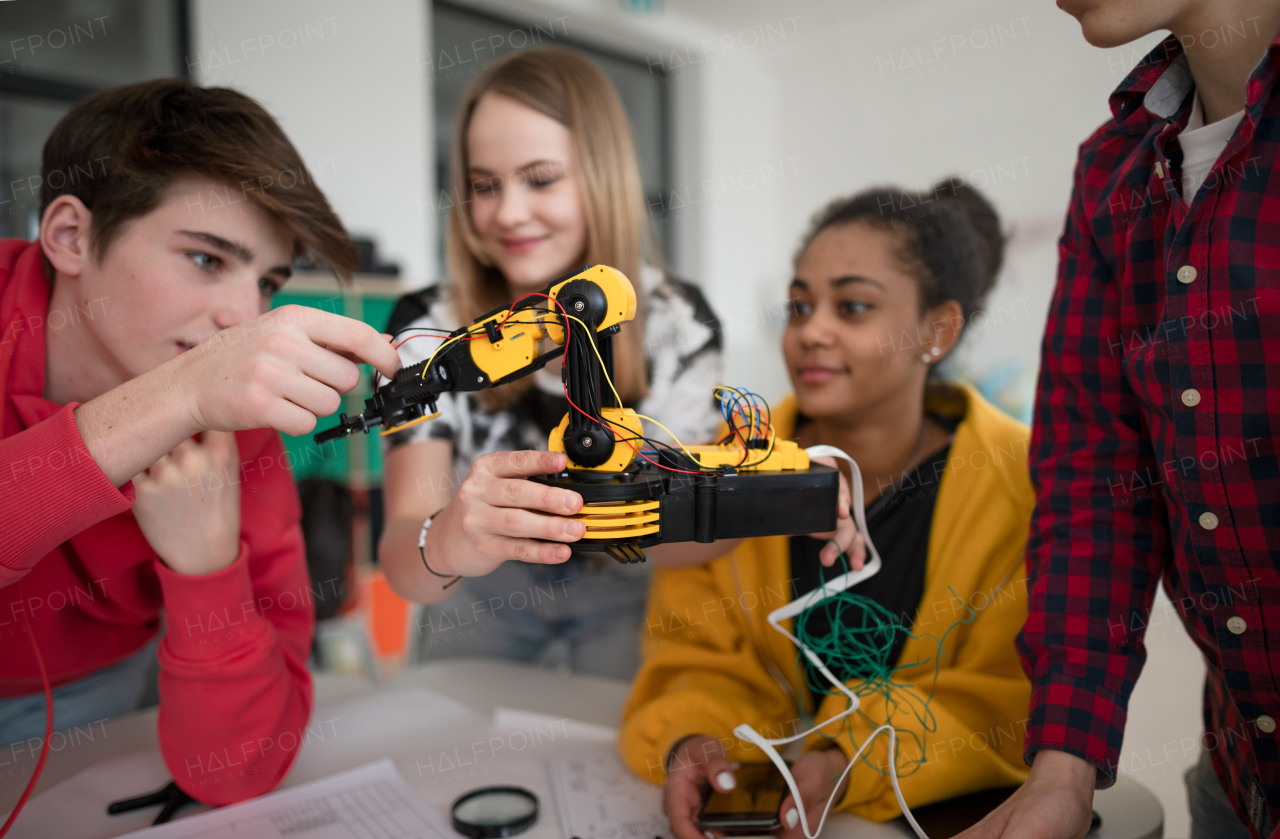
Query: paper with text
372, 802
600, 798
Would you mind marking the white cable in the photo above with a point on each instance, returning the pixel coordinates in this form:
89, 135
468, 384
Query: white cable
791, 610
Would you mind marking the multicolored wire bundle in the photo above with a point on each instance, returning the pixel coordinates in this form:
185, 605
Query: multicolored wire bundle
746, 414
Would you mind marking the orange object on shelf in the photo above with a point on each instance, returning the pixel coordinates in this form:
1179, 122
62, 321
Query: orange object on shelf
387, 615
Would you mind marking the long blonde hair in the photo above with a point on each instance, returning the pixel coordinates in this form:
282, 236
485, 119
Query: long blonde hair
569, 88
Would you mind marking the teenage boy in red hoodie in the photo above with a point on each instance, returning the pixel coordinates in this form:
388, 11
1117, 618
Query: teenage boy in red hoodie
1156, 443
141, 483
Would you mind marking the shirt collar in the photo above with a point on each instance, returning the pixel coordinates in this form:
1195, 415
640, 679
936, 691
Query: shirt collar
1159, 83
1162, 79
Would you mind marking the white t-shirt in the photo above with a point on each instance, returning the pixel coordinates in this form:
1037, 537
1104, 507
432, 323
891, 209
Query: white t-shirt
1202, 145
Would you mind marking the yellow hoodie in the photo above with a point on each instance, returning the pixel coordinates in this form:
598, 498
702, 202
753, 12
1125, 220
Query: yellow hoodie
712, 662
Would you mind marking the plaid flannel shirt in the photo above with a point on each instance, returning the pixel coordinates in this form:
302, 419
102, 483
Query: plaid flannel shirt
1154, 448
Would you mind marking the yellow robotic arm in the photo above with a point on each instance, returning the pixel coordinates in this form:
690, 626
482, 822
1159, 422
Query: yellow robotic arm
751, 484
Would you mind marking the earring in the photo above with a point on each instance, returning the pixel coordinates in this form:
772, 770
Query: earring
928, 357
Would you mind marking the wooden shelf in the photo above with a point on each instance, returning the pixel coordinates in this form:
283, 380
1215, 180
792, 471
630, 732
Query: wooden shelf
365, 285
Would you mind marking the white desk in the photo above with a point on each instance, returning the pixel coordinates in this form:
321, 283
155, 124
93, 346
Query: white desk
343, 706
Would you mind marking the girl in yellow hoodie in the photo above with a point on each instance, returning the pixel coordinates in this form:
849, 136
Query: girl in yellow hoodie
884, 284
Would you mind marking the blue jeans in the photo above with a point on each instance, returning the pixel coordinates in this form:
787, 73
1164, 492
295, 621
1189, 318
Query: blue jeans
584, 616
1212, 814
113, 690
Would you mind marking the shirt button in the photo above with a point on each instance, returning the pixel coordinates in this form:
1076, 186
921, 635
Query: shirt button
1237, 625
1191, 397
1266, 724
1208, 521
1186, 274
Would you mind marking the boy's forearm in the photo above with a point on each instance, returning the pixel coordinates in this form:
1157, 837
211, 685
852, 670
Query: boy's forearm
50, 490
131, 426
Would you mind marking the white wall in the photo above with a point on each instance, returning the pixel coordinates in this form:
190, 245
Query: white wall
344, 79
802, 102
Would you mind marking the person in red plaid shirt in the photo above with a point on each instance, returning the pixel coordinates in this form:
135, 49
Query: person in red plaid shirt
1154, 449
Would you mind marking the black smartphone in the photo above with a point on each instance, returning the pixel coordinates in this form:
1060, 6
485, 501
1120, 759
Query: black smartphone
751, 807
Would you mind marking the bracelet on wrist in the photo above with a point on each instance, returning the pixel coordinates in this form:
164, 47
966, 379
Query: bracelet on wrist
422, 544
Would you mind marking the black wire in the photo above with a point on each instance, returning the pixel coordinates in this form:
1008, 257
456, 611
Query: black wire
658, 444
423, 554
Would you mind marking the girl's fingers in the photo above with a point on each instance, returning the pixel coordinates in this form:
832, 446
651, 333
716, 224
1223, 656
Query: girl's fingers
516, 492
683, 824
515, 522
829, 554
526, 494
527, 550
845, 499
858, 556
789, 814
521, 464
720, 773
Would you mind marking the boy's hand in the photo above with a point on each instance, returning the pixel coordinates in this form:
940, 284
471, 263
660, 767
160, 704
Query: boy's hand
815, 774
188, 504
1056, 802
281, 370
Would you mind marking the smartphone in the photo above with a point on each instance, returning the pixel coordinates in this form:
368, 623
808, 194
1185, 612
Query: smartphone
751, 807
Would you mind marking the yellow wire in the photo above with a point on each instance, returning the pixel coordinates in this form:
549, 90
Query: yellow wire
402, 426
608, 380
444, 344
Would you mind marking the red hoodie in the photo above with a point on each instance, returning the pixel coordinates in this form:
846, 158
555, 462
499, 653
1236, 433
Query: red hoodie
235, 694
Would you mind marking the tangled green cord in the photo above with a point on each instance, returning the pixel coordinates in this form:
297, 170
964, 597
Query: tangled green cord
858, 647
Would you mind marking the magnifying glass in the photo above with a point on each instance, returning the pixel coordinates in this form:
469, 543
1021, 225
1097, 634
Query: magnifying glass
494, 812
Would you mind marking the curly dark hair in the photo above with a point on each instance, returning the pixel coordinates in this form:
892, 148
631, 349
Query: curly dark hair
949, 237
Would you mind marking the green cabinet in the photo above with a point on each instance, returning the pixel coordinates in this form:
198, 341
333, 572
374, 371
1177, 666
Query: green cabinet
357, 460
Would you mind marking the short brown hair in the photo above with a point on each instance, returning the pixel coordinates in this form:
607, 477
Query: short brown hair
119, 149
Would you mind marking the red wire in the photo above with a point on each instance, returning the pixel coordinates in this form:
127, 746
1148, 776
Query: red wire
48, 724
444, 335
511, 310
628, 442
437, 337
